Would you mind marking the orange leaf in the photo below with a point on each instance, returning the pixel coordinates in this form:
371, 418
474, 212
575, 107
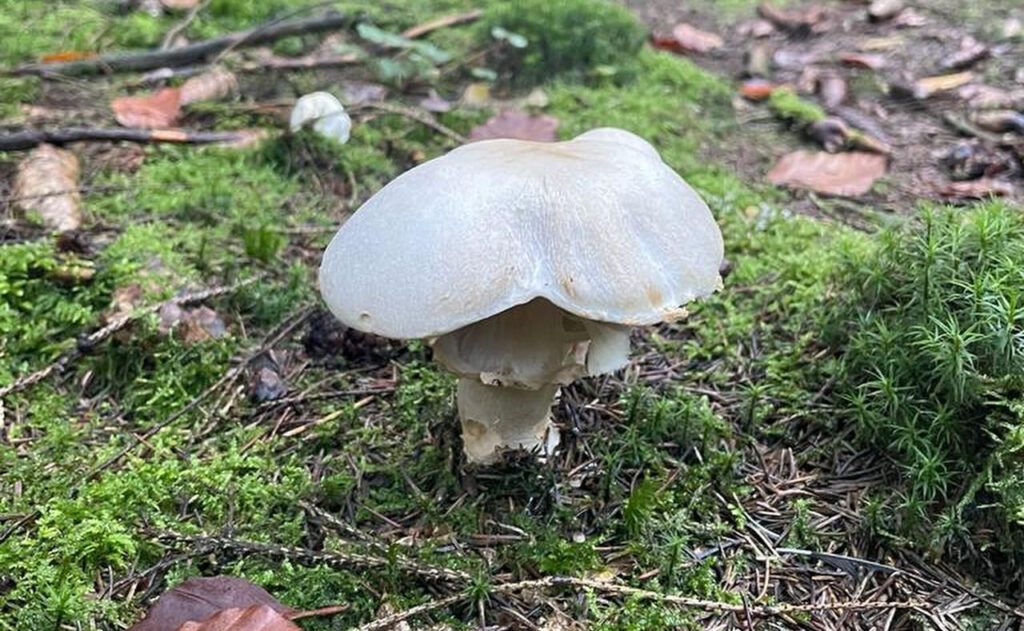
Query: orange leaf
198, 599
687, 39
846, 174
151, 111
757, 89
66, 55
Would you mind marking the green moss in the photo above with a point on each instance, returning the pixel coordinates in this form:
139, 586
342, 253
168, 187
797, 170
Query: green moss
789, 106
578, 39
930, 329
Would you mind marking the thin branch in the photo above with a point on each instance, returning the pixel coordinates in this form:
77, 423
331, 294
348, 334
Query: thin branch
179, 28
34, 137
419, 116
193, 53
452, 19
337, 559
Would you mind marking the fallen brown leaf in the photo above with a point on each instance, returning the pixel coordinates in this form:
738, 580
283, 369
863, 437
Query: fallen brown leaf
150, 111
845, 174
47, 183
799, 20
975, 189
832, 89
197, 599
927, 86
65, 56
971, 52
688, 39
199, 325
212, 85
757, 89
253, 618
862, 60
512, 123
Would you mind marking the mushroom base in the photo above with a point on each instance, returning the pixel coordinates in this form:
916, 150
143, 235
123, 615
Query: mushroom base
496, 417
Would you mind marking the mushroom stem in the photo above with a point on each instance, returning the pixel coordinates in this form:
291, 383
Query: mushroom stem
496, 417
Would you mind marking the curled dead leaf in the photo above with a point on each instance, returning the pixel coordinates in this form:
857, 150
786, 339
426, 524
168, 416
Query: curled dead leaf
511, 123
862, 60
149, 111
832, 89
688, 39
47, 183
252, 618
975, 189
757, 89
212, 85
197, 599
844, 174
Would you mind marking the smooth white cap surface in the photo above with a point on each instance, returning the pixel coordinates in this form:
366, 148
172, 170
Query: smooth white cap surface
325, 112
597, 225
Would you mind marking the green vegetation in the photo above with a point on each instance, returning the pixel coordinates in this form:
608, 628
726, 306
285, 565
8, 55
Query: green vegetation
933, 372
578, 39
657, 468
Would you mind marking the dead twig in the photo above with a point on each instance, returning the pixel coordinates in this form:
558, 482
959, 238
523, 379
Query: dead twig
419, 116
34, 137
452, 19
98, 336
193, 53
180, 27
337, 559
643, 594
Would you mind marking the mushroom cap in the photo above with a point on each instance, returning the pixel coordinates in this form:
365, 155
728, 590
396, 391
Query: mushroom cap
597, 225
325, 112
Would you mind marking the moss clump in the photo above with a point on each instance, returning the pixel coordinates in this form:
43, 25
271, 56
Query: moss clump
789, 106
933, 368
573, 38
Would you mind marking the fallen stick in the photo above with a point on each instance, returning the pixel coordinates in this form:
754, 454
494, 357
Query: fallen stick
453, 19
193, 53
34, 137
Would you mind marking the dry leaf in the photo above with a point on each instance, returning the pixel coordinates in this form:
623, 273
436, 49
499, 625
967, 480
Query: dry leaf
1000, 121
757, 89
976, 189
799, 20
756, 29
65, 56
832, 89
830, 132
199, 325
209, 86
197, 599
940, 83
477, 94
47, 183
517, 124
971, 51
359, 92
862, 60
688, 39
151, 111
252, 618
847, 174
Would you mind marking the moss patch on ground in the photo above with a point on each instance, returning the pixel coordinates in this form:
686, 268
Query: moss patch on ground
653, 475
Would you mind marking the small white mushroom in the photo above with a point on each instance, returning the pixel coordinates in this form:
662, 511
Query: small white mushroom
526, 263
326, 114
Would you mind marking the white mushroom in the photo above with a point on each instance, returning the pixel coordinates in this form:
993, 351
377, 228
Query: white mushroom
325, 112
527, 262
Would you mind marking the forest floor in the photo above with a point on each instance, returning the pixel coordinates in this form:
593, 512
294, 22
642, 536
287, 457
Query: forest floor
223, 424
